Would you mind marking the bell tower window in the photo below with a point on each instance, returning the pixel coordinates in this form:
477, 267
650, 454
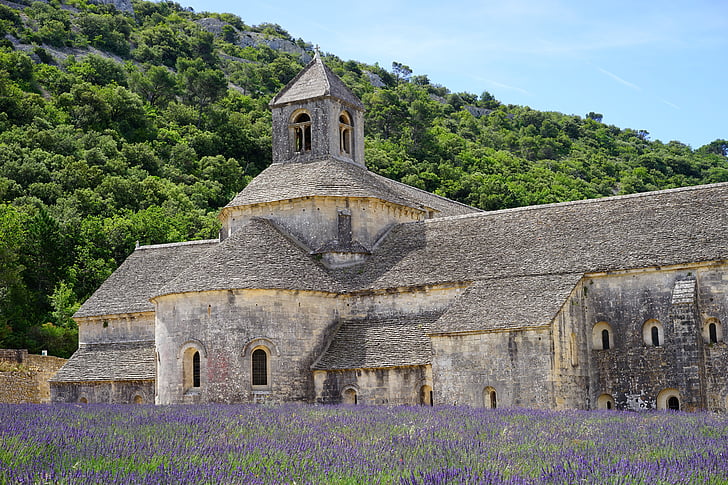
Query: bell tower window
301, 130
345, 131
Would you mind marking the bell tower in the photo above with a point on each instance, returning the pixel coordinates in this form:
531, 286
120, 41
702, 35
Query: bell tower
317, 117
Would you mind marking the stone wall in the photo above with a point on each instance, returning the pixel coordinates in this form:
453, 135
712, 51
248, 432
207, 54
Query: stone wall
571, 347
109, 392
24, 377
225, 327
516, 364
324, 115
314, 220
116, 328
392, 386
680, 301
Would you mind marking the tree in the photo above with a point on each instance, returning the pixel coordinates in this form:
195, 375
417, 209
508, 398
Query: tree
401, 72
594, 116
12, 235
201, 85
156, 84
98, 70
717, 147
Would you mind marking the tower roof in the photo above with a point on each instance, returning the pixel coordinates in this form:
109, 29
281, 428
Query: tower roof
316, 80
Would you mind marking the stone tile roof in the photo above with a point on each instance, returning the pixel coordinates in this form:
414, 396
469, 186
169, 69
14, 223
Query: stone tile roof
338, 178
129, 361
140, 277
316, 80
508, 303
256, 256
637, 231
384, 341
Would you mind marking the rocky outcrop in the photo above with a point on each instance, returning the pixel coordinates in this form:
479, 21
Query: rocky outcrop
121, 5
254, 39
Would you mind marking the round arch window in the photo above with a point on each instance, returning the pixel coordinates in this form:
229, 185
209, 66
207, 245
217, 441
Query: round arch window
669, 399
653, 333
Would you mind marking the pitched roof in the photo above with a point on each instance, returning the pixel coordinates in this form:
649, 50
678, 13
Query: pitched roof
385, 341
507, 303
140, 277
316, 80
109, 362
256, 255
338, 178
663, 228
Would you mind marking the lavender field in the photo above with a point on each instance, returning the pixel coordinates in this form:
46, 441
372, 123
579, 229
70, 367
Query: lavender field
216, 444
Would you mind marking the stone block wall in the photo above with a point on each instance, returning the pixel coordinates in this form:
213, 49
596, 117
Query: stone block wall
635, 372
226, 326
110, 392
24, 377
116, 328
516, 364
391, 386
314, 220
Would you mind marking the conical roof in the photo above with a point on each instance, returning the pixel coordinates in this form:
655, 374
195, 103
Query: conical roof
316, 80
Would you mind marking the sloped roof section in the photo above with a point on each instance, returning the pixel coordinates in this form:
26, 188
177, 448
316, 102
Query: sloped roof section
508, 303
316, 80
636, 231
445, 207
338, 178
257, 256
144, 272
109, 362
377, 342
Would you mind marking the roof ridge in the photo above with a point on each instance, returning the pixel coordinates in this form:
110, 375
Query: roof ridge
599, 200
176, 244
322, 66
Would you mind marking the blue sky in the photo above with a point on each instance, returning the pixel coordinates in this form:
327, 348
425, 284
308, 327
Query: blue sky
659, 66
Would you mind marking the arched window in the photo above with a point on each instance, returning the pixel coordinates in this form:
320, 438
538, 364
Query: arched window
668, 399
653, 333
655, 336
349, 396
712, 331
602, 336
426, 395
490, 398
260, 368
605, 401
191, 367
83, 400
301, 131
196, 369
138, 399
345, 131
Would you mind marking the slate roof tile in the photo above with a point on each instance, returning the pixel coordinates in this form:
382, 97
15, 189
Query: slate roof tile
316, 80
140, 277
338, 178
128, 361
507, 303
381, 341
663, 228
257, 255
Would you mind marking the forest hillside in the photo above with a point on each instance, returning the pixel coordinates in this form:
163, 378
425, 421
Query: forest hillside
138, 124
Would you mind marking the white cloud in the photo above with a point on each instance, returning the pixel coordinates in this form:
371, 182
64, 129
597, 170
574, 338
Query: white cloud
619, 79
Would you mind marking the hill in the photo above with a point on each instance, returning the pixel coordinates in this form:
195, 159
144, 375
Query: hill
136, 121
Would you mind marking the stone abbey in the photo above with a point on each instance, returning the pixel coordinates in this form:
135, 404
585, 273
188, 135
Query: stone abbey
331, 284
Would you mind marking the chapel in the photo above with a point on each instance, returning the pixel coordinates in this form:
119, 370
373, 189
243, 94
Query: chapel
332, 284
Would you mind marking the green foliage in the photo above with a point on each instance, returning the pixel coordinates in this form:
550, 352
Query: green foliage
98, 151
